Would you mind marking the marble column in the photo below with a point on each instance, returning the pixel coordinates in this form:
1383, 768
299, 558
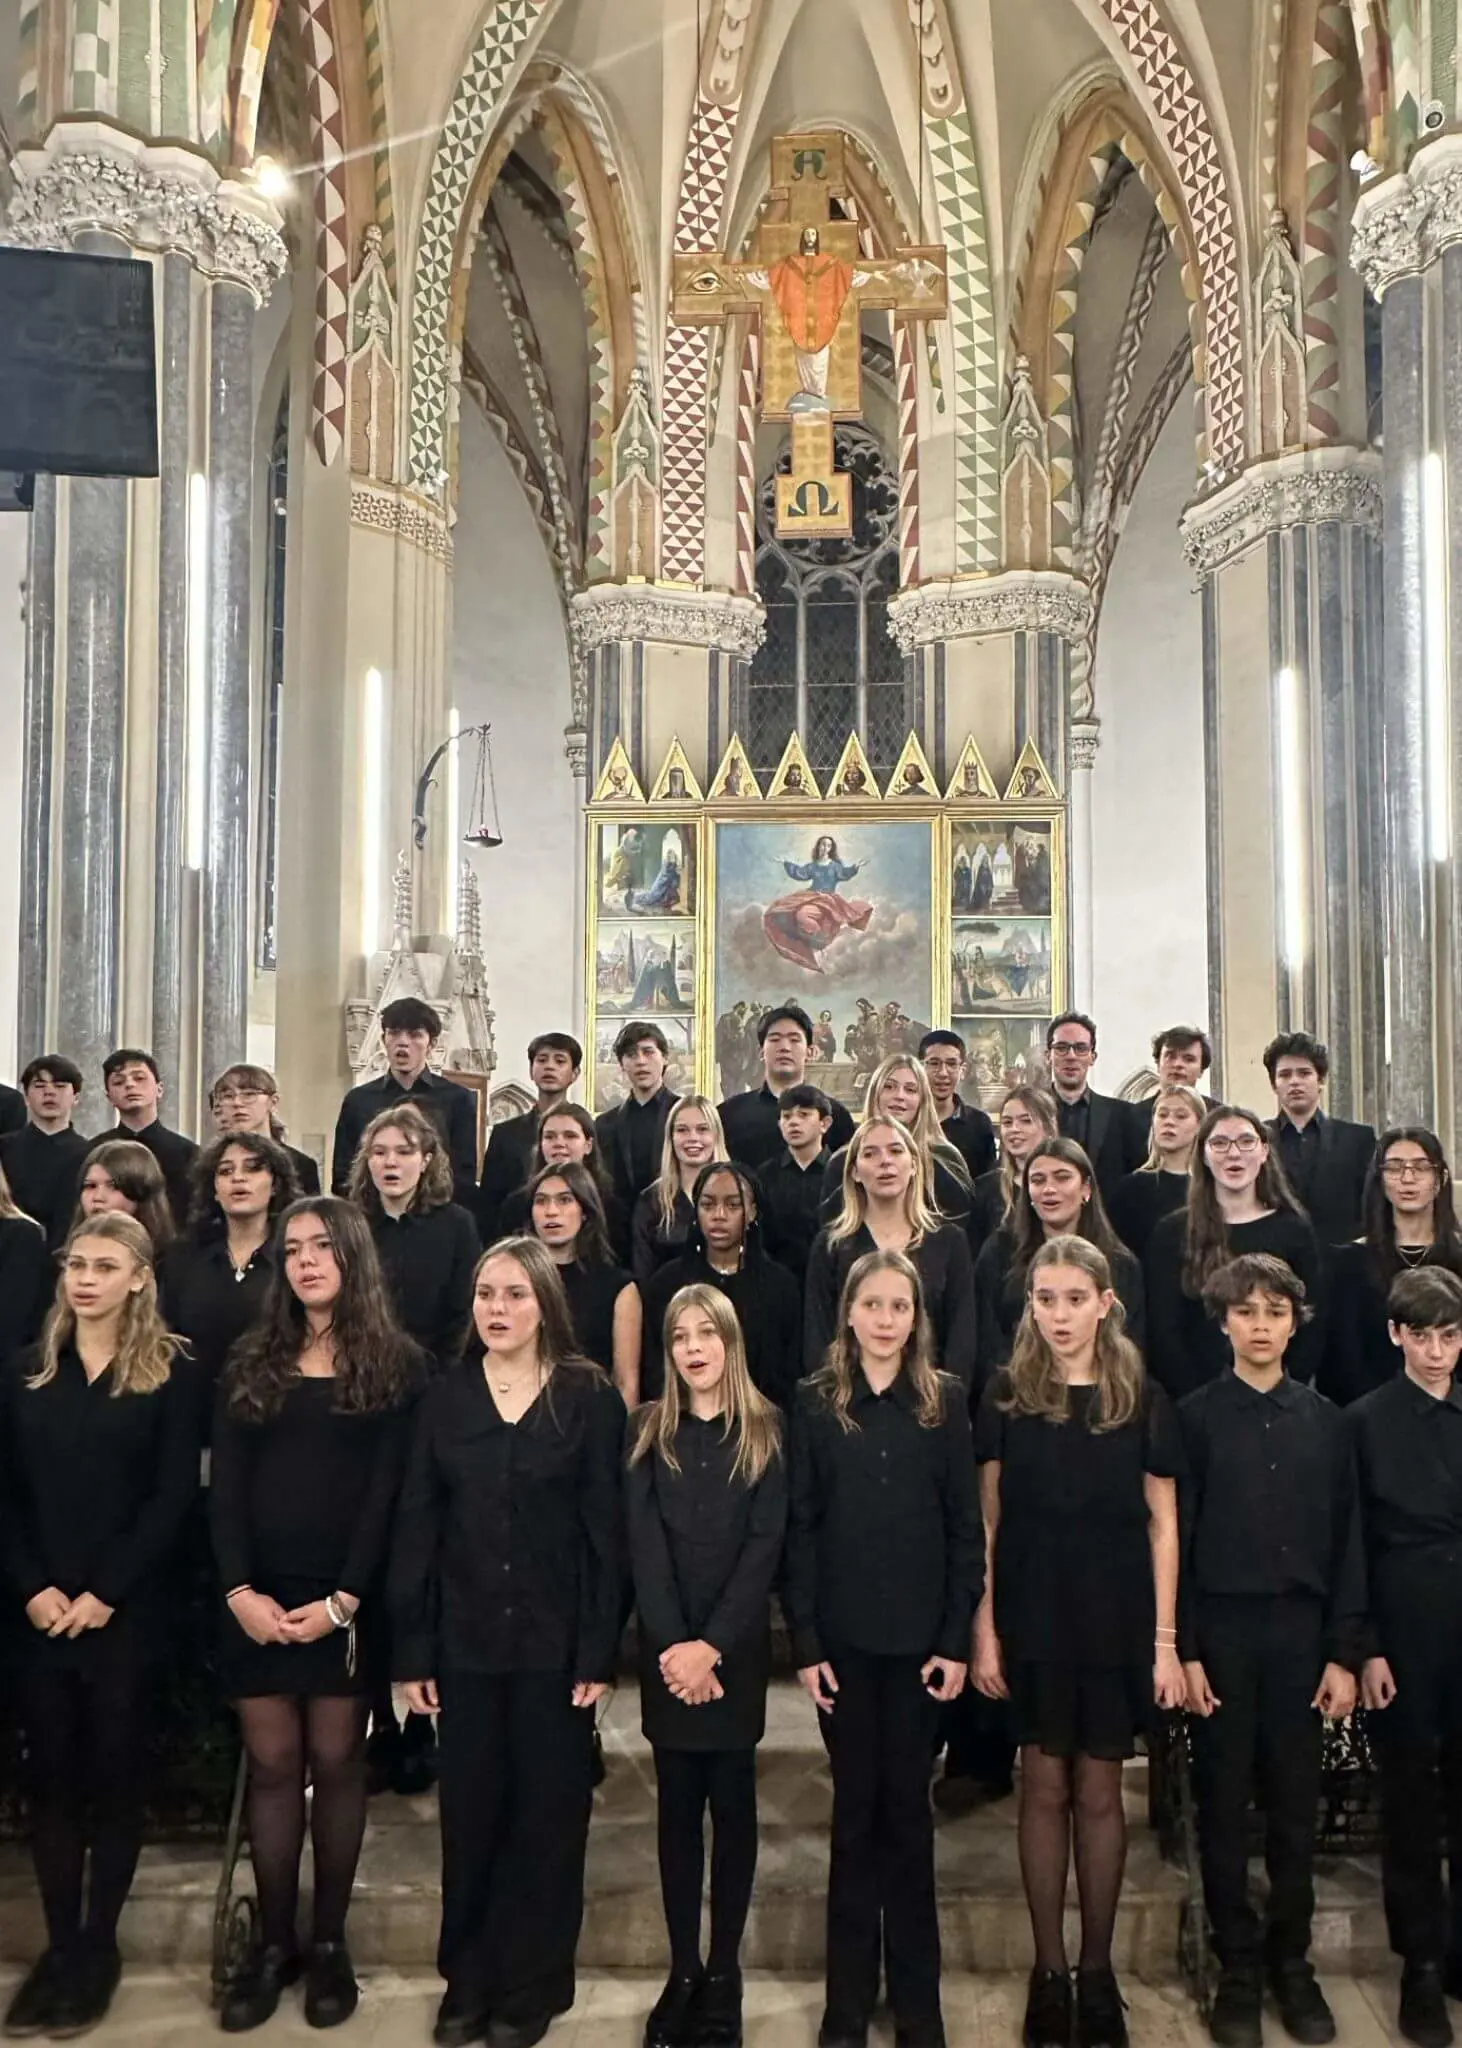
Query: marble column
1085, 736
175, 351
35, 821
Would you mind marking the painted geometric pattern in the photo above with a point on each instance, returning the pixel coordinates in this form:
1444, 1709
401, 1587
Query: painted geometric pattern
746, 396
499, 257
568, 183
688, 352
1184, 119
906, 372
1443, 55
248, 78
215, 42
1406, 88
474, 109
94, 36
1325, 151
29, 69
332, 245
375, 58
976, 350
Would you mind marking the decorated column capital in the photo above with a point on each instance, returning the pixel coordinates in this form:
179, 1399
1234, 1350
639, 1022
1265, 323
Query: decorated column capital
974, 607
666, 612
91, 177
1316, 487
1402, 223
1085, 738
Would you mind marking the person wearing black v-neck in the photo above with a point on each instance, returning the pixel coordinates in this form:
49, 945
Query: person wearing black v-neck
215, 1281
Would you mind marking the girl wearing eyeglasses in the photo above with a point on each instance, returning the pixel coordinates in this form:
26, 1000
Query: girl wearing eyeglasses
1239, 1201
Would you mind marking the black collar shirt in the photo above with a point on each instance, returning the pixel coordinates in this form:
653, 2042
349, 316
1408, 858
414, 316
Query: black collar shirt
1073, 1119
209, 1300
428, 1258
946, 1272
792, 1197
452, 1108
752, 1123
1408, 1449
1270, 1507
42, 1170
1299, 1149
885, 1551
644, 1136
972, 1135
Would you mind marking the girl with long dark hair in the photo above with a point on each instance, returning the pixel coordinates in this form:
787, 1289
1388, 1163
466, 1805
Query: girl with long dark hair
122, 1178
706, 1498
566, 1215
507, 1587
427, 1244
308, 1443
566, 1137
1409, 1221
215, 1280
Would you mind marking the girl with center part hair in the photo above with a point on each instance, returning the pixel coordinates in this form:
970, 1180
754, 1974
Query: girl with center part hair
567, 1217
1160, 1184
706, 1497
215, 1280
885, 1209
665, 1212
123, 1178
899, 1090
401, 1181
566, 1138
1025, 1116
507, 1588
884, 1566
1079, 1456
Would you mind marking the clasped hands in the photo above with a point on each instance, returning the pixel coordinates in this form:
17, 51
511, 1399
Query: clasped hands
689, 1672
265, 1621
54, 1615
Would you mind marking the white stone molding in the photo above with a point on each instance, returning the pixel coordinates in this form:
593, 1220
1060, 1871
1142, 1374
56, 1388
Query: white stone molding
91, 176
1020, 601
1084, 739
659, 611
1402, 223
404, 515
1317, 487
576, 751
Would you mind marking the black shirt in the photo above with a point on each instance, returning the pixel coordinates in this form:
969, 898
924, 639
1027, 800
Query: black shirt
1269, 1506
943, 1262
1408, 1448
791, 1206
509, 1551
631, 1138
1139, 1203
1000, 1299
987, 1209
306, 1172
27, 1284
654, 1243
452, 1108
593, 1296
12, 1109
43, 1171
768, 1305
1185, 1346
428, 1258
952, 1189
972, 1135
754, 1132
504, 1170
1107, 1132
885, 1546
1326, 1163
175, 1154
206, 1300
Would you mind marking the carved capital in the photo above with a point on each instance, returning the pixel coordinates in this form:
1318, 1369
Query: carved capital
1020, 601
90, 176
576, 750
1322, 486
658, 611
1403, 223
415, 520
1085, 738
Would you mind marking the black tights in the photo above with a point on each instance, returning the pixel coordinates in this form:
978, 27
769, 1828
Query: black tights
691, 1780
86, 1739
1055, 1793
282, 1736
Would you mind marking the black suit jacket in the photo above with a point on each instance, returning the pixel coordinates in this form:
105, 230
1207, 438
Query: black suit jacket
453, 1109
1333, 1177
607, 1136
1116, 1144
972, 1135
504, 1169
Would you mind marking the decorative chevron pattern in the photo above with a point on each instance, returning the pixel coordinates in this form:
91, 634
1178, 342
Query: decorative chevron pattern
215, 41
906, 376
94, 36
246, 82
976, 350
589, 264
1404, 20
1443, 83
326, 113
1185, 124
746, 410
375, 59
498, 256
28, 93
1324, 223
475, 107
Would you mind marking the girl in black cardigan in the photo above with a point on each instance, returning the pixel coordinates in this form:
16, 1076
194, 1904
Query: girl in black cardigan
99, 1465
707, 1503
426, 1242
507, 1589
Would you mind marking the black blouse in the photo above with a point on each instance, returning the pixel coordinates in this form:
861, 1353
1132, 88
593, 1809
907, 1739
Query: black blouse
946, 1271
704, 1546
42, 1169
428, 1258
1408, 1447
593, 1295
1359, 1355
509, 1551
653, 1243
1000, 1300
768, 1305
1185, 1347
27, 1284
987, 1209
1140, 1202
207, 1301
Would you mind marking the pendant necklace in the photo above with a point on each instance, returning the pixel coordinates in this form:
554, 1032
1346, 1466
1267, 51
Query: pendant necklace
1412, 1254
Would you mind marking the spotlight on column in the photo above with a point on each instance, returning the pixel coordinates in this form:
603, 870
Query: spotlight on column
272, 180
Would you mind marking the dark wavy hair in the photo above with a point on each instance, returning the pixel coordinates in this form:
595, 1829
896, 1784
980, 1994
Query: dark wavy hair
1378, 1218
135, 1173
376, 1363
591, 1246
432, 1191
205, 1219
1205, 1239
1028, 1233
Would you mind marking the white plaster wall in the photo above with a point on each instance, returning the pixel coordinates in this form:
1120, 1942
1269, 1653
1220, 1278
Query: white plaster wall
1149, 884
510, 665
14, 529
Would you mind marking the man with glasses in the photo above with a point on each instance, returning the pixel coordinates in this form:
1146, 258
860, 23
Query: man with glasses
1325, 1159
245, 1099
1109, 1132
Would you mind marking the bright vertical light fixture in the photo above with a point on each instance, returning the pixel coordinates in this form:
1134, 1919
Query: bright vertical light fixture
1434, 555
195, 714
372, 873
1293, 863
454, 813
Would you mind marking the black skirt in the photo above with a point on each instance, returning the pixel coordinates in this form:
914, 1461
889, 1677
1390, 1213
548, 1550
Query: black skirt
736, 1721
318, 1670
1095, 1710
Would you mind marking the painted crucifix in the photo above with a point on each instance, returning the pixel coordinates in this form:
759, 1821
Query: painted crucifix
809, 283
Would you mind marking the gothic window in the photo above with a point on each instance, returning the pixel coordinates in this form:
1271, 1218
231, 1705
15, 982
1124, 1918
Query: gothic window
828, 665
275, 556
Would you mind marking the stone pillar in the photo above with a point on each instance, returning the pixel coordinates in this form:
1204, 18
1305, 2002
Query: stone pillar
35, 820
1288, 563
175, 363
1085, 736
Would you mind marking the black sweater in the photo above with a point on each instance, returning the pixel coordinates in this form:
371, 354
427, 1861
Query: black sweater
1140, 1202
768, 1304
206, 1301
1185, 1347
1358, 1355
509, 1552
27, 1284
428, 1258
1000, 1300
43, 1172
945, 1268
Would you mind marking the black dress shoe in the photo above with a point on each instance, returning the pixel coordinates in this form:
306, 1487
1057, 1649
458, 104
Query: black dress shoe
331, 1992
254, 1995
842, 2034
89, 1980
457, 2028
519, 2033
1302, 2008
1048, 2010
716, 2021
1423, 2017
32, 2008
669, 2024
1101, 2016
1237, 2019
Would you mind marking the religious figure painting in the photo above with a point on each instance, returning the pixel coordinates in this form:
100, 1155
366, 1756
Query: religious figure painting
609, 1083
1003, 1053
1001, 867
1001, 963
646, 870
838, 920
645, 970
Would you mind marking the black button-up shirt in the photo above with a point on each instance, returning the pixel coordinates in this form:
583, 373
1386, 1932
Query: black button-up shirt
208, 1300
972, 1135
452, 1108
1299, 1148
428, 1258
1408, 1447
752, 1124
946, 1276
885, 1548
1073, 1119
1269, 1506
792, 1204
42, 1169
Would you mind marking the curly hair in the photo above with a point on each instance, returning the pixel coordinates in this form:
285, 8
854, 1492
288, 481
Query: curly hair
432, 1191
205, 1218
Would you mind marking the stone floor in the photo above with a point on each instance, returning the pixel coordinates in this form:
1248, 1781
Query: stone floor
167, 2009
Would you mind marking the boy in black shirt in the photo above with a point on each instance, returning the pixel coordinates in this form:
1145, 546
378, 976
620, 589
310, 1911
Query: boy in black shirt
792, 1182
1271, 1610
1408, 1445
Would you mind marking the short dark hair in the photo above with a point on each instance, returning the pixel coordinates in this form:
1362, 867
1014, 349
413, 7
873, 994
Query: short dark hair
410, 1013
1070, 1017
1297, 1045
1254, 1273
54, 1066
1426, 1298
128, 1056
636, 1033
803, 1095
785, 1013
1178, 1037
933, 1038
556, 1041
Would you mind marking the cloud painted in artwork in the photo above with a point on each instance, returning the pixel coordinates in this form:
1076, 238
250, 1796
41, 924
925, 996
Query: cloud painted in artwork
889, 959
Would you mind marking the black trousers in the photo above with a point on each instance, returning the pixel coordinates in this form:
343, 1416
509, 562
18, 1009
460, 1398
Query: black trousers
86, 1741
515, 1792
1264, 1658
1419, 1738
978, 1742
689, 1781
880, 1891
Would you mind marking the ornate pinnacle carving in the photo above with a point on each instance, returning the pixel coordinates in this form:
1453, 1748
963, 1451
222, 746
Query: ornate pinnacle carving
401, 903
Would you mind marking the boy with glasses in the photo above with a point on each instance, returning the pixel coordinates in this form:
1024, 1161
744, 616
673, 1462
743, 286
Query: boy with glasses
246, 1099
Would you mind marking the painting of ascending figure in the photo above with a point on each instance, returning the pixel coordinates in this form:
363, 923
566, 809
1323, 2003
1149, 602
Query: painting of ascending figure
803, 925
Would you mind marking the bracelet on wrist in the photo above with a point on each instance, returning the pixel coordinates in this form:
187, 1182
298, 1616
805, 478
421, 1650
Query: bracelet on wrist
235, 1594
338, 1616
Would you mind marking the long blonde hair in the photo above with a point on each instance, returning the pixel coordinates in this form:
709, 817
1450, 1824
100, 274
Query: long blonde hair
1036, 1383
145, 1351
9, 1207
930, 1142
834, 1379
746, 1412
919, 1211
1153, 1162
667, 1182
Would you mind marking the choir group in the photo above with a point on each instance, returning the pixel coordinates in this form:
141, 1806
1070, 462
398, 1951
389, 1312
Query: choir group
1033, 1430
